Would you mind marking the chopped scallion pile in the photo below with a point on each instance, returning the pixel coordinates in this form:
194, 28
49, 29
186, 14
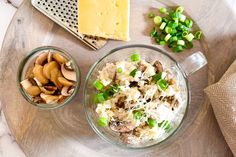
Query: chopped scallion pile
174, 29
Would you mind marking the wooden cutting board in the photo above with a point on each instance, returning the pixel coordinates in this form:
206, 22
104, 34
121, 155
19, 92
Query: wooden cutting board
65, 132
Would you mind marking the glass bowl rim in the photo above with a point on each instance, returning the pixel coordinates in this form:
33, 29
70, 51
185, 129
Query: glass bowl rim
22, 66
89, 119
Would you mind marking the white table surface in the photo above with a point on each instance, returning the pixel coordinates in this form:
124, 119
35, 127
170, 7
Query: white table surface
8, 146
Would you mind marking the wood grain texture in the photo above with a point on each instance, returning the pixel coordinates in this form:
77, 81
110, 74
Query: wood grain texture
65, 131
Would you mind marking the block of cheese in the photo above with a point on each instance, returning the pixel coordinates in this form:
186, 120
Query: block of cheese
104, 18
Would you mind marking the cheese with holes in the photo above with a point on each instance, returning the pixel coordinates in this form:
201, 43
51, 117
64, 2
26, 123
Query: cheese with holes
104, 18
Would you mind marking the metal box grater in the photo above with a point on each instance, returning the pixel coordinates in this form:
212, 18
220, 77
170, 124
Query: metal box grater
64, 13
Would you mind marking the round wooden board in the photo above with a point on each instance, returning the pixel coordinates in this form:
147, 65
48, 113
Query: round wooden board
65, 131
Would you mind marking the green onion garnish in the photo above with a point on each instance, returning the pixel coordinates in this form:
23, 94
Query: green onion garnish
177, 48
133, 72
102, 121
181, 42
179, 9
163, 84
162, 26
189, 37
113, 89
157, 77
198, 35
167, 37
152, 122
119, 70
100, 98
98, 85
151, 15
137, 114
157, 20
153, 32
188, 23
163, 10
175, 16
165, 124
135, 57
162, 42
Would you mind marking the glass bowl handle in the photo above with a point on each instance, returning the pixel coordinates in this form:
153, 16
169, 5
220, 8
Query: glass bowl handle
193, 63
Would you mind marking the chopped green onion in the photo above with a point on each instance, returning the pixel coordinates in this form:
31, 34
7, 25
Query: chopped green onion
174, 29
178, 48
162, 42
181, 42
154, 32
133, 72
137, 115
188, 23
163, 84
99, 98
189, 45
180, 9
113, 89
119, 70
182, 18
98, 85
135, 57
184, 33
175, 16
198, 35
157, 20
163, 24
189, 37
102, 121
172, 24
151, 15
152, 122
167, 37
157, 77
163, 10
168, 30
172, 39
165, 124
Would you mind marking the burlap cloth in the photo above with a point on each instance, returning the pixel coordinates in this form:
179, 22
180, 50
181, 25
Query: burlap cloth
222, 96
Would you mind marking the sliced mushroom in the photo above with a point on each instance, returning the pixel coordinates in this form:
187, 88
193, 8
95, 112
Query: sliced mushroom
48, 89
38, 73
47, 68
54, 74
37, 82
158, 66
141, 67
59, 58
68, 73
29, 74
41, 58
37, 99
49, 58
120, 126
65, 82
50, 99
29, 88
67, 91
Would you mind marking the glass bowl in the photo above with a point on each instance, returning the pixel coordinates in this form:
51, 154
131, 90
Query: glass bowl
148, 53
29, 60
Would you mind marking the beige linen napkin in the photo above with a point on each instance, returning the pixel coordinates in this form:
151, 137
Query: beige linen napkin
223, 100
